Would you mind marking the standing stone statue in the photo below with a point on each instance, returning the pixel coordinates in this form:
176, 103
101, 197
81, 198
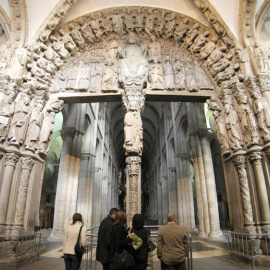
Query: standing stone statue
149, 22
190, 77
117, 23
262, 113
168, 74
179, 74
7, 107
169, 25
233, 129
154, 50
138, 24
156, 76
259, 56
20, 120
180, 29
110, 77
112, 51
33, 130
133, 130
247, 121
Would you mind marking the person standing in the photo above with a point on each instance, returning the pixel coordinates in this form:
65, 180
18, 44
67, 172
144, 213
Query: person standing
73, 261
104, 239
172, 245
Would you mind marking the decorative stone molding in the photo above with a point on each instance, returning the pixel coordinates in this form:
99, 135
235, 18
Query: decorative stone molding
255, 158
68, 132
263, 81
240, 165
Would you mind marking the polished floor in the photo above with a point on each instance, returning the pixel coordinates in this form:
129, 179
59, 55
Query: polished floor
207, 255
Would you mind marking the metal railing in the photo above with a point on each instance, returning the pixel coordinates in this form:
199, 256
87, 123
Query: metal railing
15, 249
249, 246
89, 261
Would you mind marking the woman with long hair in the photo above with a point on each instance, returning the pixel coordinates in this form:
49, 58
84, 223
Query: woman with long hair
72, 260
121, 238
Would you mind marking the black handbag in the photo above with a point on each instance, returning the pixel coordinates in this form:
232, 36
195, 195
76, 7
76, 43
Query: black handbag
150, 246
79, 249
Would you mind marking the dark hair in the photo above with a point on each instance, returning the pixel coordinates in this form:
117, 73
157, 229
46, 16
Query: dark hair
76, 217
120, 216
171, 217
113, 211
138, 221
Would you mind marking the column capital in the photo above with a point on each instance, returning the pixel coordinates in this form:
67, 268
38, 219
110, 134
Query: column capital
11, 159
239, 162
27, 163
263, 80
205, 133
68, 132
133, 164
85, 156
255, 158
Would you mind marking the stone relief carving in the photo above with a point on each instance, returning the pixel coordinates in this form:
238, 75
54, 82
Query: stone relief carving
168, 74
110, 77
190, 78
179, 74
156, 76
96, 78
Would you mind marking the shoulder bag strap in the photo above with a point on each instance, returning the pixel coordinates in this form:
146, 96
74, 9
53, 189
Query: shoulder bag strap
78, 239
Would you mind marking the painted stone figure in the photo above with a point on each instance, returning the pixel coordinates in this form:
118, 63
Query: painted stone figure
179, 74
133, 130
168, 73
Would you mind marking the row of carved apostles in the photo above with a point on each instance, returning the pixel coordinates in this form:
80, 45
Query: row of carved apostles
25, 119
177, 75
239, 122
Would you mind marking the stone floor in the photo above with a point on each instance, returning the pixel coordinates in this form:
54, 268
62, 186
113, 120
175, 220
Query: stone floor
207, 255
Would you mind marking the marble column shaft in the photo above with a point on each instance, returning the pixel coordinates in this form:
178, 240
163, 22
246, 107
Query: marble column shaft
256, 160
10, 162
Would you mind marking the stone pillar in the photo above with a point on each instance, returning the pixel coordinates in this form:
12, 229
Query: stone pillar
63, 184
198, 188
172, 190
133, 204
27, 164
203, 185
10, 162
255, 159
240, 165
210, 185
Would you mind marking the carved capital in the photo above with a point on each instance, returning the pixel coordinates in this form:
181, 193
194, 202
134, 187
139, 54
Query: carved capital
85, 156
27, 163
68, 132
239, 162
133, 165
263, 81
11, 159
205, 133
255, 158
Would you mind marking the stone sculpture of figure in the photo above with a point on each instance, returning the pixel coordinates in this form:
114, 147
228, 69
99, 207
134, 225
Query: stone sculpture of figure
21, 58
169, 25
87, 32
168, 73
202, 80
154, 50
46, 65
129, 20
215, 56
192, 34
247, 121
106, 23
94, 23
19, 123
156, 76
221, 130
220, 66
7, 106
149, 22
133, 130
179, 74
190, 77
59, 47
208, 48
33, 131
262, 112
199, 42
96, 78
52, 107
59, 83
76, 35
180, 30
160, 23
112, 51
5, 56
133, 65
68, 41
117, 23
139, 21
259, 56
110, 77
233, 129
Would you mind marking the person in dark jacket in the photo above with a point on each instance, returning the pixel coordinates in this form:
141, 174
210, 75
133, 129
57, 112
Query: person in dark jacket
104, 239
121, 238
140, 254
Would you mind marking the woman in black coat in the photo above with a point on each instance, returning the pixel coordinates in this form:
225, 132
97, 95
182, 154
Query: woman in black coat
121, 238
141, 254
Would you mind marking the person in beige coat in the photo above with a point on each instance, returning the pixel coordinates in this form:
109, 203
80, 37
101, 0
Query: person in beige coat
72, 261
172, 245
